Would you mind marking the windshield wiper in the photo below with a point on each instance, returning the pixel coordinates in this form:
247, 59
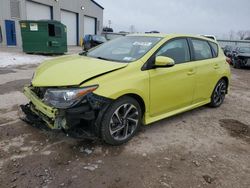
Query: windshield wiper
103, 58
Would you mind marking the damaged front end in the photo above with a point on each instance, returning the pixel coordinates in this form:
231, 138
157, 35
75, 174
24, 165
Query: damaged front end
242, 60
78, 118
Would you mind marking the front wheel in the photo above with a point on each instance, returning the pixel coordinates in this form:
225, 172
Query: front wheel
219, 94
121, 121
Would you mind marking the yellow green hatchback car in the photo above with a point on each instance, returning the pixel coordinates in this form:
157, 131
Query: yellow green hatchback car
110, 91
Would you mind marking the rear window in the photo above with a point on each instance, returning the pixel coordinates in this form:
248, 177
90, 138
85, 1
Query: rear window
215, 49
202, 49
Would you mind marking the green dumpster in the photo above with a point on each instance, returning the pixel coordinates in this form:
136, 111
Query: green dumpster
44, 36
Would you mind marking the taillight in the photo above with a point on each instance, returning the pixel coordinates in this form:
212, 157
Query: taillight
228, 60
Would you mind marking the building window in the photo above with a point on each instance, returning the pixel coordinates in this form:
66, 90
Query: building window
15, 8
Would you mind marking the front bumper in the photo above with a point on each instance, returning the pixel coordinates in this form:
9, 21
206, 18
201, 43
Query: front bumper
56, 119
37, 107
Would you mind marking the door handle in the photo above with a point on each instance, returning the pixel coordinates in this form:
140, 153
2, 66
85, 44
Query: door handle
216, 66
191, 72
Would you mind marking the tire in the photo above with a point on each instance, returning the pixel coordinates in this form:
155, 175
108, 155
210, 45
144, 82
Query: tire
121, 121
219, 94
236, 65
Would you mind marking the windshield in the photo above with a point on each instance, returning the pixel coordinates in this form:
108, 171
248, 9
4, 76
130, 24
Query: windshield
244, 50
125, 49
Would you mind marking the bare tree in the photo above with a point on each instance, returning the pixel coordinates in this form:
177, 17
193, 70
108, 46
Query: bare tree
242, 34
231, 35
248, 34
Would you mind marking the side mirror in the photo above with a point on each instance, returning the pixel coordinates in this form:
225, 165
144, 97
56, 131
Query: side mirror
162, 61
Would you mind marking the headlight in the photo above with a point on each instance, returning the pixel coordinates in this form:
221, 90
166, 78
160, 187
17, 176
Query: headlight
66, 98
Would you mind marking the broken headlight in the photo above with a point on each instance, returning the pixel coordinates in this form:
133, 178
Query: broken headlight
66, 98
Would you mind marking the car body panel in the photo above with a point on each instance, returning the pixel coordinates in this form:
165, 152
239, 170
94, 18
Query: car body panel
125, 82
167, 86
71, 71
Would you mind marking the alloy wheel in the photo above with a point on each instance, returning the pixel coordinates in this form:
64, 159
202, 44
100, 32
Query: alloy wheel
220, 92
124, 122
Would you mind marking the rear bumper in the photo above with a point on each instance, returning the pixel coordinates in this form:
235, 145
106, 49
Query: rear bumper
38, 113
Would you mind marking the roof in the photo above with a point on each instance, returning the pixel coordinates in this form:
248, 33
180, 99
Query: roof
97, 4
161, 35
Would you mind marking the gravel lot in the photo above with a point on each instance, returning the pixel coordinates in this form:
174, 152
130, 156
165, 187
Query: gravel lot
201, 148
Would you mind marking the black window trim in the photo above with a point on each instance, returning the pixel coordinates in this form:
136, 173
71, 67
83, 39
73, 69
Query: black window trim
150, 62
215, 55
211, 48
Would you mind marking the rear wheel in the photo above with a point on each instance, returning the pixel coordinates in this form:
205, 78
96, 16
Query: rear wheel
219, 93
121, 121
236, 64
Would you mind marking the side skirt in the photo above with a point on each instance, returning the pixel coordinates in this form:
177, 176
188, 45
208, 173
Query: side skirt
148, 120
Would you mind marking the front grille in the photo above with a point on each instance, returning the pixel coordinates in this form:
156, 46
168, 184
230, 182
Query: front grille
40, 92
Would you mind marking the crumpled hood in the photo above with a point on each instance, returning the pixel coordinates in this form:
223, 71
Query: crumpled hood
72, 71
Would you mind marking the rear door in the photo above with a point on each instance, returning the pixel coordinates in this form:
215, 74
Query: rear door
172, 88
207, 66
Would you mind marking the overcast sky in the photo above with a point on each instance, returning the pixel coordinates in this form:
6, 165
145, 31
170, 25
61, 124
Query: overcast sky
216, 17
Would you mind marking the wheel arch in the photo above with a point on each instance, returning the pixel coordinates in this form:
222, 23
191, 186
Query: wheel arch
139, 99
227, 81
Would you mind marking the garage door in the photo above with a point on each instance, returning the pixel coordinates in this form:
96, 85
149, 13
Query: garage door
89, 25
36, 11
70, 20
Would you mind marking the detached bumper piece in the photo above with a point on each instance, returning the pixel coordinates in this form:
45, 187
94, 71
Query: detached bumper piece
32, 119
79, 121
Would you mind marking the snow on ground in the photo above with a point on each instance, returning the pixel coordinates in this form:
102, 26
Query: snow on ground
17, 58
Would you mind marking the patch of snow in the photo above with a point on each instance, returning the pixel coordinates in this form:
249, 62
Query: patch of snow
86, 150
91, 167
16, 58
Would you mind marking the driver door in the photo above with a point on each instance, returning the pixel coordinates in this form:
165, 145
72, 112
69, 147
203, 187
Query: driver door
172, 88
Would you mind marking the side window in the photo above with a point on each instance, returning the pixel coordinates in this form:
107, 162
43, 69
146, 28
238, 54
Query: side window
177, 49
202, 49
215, 48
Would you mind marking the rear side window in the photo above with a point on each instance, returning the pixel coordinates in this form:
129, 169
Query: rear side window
177, 49
215, 49
202, 49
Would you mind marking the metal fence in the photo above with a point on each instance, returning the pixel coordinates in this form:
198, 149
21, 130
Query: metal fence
238, 43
